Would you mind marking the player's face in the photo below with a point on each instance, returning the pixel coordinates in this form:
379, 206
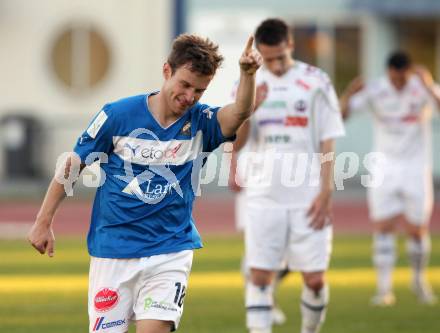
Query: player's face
277, 58
399, 77
183, 88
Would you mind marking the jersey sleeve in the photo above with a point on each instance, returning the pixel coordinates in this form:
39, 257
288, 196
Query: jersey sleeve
212, 134
329, 122
98, 137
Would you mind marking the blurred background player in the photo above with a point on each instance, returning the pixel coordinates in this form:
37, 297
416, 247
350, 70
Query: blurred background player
278, 316
297, 115
401, 103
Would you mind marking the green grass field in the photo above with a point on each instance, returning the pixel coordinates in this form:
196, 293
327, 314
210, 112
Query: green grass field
39, 294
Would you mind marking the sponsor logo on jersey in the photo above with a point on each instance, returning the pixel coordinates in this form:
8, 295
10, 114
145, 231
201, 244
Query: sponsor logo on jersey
274, 104
106, 299
100, 325
132, 148
155, 153
265, 122
186, 129
280, 88
150, 303
410, 118
296, 121
300, 105
277, 139
303, 84
96, 125
151, 191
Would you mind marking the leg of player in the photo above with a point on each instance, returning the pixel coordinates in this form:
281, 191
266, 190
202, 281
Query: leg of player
153, 326
259, 301
278, 316
419, 248
384, 258
314, 300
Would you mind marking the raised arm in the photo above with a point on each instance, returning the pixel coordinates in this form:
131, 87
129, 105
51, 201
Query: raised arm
428, 81
231, 116
353, 87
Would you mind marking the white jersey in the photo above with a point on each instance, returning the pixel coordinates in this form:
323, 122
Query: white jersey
281, 165
401, 120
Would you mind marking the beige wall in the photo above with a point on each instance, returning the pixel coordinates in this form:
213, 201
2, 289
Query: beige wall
138, 33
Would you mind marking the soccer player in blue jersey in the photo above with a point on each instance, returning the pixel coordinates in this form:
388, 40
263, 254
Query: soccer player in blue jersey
142, 234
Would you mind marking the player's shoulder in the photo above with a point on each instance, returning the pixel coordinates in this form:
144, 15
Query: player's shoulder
316, 76
202, 111
124, 107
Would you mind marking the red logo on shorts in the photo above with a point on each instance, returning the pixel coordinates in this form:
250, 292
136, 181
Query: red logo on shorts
106, 299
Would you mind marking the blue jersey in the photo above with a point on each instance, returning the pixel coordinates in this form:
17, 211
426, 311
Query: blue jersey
144, 207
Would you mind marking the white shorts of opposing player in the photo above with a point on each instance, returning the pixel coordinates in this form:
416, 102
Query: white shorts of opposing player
274, 236
126, 290
409, 192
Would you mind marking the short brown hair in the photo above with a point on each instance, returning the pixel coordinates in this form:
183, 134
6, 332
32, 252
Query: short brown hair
200, 53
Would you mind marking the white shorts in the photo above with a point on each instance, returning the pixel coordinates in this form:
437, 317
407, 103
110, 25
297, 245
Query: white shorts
407, 193
275, 236
240, 211
124, 290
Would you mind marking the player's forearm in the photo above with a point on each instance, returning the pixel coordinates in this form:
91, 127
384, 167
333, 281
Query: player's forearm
344, 104
245, 98
232, 116
242, 136
56, 191
327, 165
435, 93
54, 196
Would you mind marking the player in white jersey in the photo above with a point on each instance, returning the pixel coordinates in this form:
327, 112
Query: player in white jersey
401, 104
288, 186
278, 316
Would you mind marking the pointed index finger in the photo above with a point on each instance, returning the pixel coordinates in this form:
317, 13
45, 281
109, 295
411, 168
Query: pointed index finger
249, 44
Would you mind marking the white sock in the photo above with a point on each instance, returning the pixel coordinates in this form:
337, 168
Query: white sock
259, 303
418, 252
256, 330
313, 309
384, 258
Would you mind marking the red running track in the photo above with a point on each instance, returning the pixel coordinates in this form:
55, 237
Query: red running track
213, 215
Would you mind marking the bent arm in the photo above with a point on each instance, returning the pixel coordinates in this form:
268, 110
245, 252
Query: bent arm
232, 116
344, 101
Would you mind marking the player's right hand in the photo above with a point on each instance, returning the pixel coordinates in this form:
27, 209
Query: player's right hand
251, 59
355, 86
424, 75
42, 238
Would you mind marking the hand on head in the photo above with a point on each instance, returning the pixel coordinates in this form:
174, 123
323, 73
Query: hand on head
424, 75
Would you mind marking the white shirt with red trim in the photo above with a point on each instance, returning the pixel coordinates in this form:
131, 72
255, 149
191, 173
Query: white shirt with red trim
280, 165
402, 120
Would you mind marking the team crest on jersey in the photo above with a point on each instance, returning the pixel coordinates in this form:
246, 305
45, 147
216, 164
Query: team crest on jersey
186, 129
300, 105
